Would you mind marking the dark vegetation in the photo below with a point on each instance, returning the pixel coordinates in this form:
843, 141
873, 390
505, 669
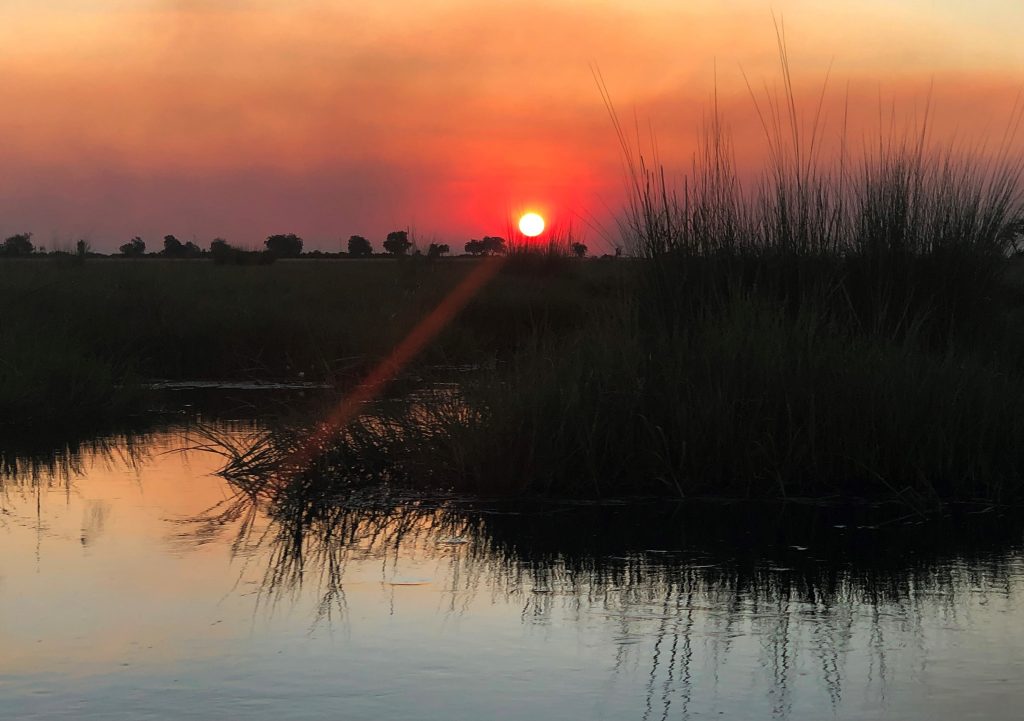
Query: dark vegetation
855, 332
17, 246
845, 327
850, 328
398, 243
728, 552
488, 245
79, 341
359, 247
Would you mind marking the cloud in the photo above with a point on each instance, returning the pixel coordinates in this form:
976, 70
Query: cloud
446, 113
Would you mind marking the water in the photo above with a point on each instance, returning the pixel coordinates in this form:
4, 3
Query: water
136, 584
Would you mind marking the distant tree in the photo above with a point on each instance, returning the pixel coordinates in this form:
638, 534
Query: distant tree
17, 246
493, 245
398, 242
220, 247
579, 249
173, 248
82, 248
436, 250
191, 250
284, 246
359, 247
134, 248
489, 245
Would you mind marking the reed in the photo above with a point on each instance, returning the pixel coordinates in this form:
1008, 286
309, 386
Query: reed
840, 326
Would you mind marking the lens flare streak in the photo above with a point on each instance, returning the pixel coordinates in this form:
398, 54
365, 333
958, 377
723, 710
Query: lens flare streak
417, 339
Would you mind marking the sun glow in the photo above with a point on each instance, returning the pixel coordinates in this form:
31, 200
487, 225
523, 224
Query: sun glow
531, 225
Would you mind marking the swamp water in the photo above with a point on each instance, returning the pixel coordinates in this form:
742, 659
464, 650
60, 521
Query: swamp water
136, 584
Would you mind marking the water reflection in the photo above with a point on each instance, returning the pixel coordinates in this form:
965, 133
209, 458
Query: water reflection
61, 462
614, 611
692, 594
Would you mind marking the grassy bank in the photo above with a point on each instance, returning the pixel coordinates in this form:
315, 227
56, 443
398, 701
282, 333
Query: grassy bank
77, 341
848, 328
748, 403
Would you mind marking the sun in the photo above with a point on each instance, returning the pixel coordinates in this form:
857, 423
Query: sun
531, 225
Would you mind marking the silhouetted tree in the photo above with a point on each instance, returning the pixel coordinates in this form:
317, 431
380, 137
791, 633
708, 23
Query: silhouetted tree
436, 250
173, 247
82, 248
359, 247
134, 248
224, 253
284, 246
493, 245
219, 247
191, 250
18, 245
489, 245
398, 242
579, 249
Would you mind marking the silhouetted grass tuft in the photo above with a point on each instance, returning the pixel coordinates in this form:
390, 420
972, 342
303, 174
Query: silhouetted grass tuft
842, 327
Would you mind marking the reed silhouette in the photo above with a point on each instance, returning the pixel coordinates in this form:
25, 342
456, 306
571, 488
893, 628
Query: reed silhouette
681, 584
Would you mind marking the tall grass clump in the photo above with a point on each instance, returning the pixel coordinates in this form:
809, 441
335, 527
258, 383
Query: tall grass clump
547, 255
838, 325
908, 239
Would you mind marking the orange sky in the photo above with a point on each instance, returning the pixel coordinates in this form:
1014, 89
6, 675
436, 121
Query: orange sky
242, 118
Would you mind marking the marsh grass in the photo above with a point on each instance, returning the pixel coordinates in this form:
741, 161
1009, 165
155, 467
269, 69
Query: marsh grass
840, 326
909, 239
77, 343
751, 404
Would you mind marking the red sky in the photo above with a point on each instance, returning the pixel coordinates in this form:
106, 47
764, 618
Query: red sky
242, 118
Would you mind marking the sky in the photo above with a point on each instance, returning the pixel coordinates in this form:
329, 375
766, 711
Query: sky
328, 118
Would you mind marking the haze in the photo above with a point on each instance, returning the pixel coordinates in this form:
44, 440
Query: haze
209, 118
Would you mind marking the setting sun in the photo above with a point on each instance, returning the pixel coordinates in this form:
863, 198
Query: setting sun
531, 225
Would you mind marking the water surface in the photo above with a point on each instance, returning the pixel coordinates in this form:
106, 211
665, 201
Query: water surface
135, 583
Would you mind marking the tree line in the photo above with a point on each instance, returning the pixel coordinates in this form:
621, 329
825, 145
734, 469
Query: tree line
289, 245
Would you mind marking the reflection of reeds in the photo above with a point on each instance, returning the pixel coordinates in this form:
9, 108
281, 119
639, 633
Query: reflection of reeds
376, 451
310, 536
61, 458
680, 589
62, 462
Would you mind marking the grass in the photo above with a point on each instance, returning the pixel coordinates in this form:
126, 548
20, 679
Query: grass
749, 404
843, 327
840, 325
77, 341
